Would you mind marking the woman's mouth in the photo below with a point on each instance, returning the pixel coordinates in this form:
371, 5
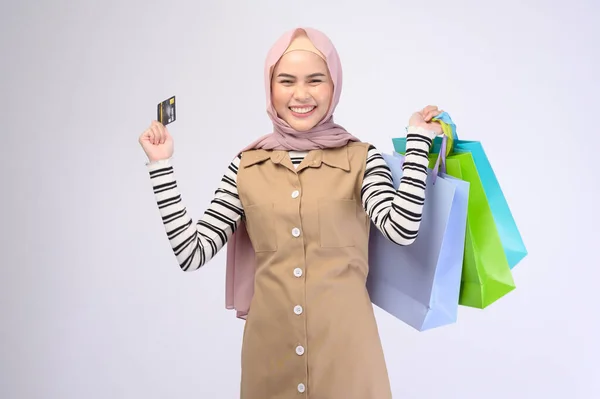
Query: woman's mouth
302, 112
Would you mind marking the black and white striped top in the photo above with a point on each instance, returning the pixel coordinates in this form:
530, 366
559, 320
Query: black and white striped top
396, 213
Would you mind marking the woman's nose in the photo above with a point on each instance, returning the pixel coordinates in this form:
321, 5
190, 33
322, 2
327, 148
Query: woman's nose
301, 93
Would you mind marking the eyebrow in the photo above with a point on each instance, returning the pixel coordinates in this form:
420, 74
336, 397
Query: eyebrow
312, 75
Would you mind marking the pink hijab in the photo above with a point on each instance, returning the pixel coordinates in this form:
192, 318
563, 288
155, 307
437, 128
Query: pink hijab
241, 261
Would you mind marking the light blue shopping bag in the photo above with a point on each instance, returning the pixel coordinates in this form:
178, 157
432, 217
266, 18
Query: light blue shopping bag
511, 239
420, 283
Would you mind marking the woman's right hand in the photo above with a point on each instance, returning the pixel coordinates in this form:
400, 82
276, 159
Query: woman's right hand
156, 142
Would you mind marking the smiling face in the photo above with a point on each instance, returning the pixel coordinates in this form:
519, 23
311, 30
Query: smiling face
301, 89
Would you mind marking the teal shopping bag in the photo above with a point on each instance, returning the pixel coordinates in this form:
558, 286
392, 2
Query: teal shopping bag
512, 242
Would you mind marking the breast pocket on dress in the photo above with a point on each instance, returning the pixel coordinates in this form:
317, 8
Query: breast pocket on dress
337, 223
260, 224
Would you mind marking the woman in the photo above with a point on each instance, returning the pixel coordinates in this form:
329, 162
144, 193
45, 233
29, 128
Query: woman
307, 193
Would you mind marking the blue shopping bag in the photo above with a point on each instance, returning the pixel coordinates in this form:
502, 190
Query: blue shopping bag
420, 283
512, 242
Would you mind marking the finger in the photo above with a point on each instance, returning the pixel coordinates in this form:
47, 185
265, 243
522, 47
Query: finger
167, 135
151, 132
434, 112
427, 112
156, 124
150, 135
163, 134
159, 133
145, 136
429, 108
155, 134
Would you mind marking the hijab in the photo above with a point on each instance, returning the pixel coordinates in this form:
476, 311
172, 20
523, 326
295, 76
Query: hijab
326, 134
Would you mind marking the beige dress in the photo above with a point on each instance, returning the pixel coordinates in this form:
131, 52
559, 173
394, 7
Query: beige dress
311, 331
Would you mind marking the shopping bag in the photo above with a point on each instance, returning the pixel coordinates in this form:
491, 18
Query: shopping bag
420, 283
512, 242
486, 274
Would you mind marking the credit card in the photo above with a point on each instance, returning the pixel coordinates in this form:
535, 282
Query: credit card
165, 111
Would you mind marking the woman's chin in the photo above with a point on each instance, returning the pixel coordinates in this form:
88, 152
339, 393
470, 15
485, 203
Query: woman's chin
301, 125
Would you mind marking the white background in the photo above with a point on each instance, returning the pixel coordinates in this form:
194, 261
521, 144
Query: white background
93, 304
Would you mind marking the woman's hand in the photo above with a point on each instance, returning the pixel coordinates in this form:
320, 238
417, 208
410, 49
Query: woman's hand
156, 142
423, 119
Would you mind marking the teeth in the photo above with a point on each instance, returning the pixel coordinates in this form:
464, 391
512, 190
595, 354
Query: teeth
304, 110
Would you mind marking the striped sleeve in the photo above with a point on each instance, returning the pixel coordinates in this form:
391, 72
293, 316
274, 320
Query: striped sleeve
397, 213
194, 244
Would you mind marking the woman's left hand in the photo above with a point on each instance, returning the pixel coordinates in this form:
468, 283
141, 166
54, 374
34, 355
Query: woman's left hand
424, 118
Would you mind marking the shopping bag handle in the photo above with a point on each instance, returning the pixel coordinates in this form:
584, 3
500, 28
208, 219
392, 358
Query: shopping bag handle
440, 163
449, 130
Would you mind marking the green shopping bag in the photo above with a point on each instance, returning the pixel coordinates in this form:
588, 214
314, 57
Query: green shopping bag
486, 274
